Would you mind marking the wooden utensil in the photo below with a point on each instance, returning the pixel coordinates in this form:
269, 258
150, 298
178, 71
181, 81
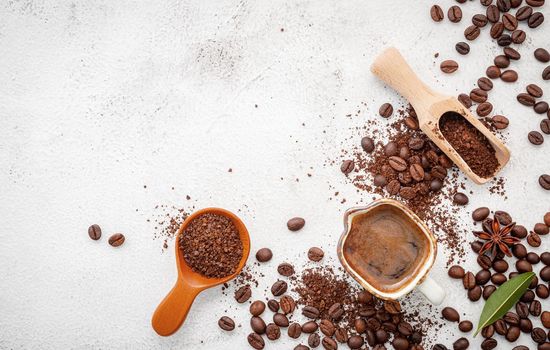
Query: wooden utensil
172, 311
429, 105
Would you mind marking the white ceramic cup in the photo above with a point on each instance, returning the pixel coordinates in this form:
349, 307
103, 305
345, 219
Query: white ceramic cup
421, 281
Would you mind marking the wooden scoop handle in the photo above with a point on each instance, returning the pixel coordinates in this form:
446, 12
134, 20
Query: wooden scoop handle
173, 310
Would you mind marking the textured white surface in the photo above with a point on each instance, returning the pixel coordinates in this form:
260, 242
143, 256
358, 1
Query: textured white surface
98, 98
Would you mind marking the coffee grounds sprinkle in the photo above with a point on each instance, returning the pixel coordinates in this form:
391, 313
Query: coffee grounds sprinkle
211, 245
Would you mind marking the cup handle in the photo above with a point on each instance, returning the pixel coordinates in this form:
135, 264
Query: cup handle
432, 291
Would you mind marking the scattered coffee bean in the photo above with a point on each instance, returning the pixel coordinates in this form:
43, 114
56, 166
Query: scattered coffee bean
295, 224
257, 324
482, 277
523, 13
484, 109
294, 330
454, 14
329, 343
541, 107
526, 99
462, 48
273, 332
285, 269
328, 329
367, 144
449, 66
542, 55
500, 266
315, 254
523, 266
479, 20
500, 122
380, 180
243, 294
287, 304
471, 32
545, 273
469, 280
493, 14
545, 319
500, 327
301, 347
310, 312
488, 290
450, 314
257, 308
509, 76
461, 344
493, 72
480, 214
460, 198
347, 166
535, 20
474, 294
116, 240
511, 53
535, 308
226, 323
545, 126
541, 229
535, 138
546, 73
280, 320
502, 61
279, 288
510, 22
465, 100
94, 232
534, 90
496, 30
355, 342
484, 261
518, 36
488, 344
465, 326
436, 13
478, 95
456, 271
386, 110
544, 181
264, 255
485, 84
538, 335
273, 305
439, 347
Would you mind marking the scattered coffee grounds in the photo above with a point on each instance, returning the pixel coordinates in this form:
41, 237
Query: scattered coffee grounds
470, 143
168, 220
211, 245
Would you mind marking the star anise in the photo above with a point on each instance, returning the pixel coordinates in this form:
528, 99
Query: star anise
497, 238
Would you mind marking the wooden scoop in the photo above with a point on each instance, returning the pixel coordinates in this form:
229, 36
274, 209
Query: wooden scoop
172, 311
429, 105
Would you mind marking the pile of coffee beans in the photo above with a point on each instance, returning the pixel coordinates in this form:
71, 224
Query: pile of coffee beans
211, 245
494, 271
116, 240
334, 311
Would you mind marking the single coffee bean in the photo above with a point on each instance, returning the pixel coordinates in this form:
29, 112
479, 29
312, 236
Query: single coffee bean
465, 326
301, 347
461, 344
535, 3
400, 343
243, 294
544, 181
310, 312
436, 185
488, 332
535, 20
504, 40
519, 231
295, 224
314, 340
456, 271
535, 308
279, 288
479, 20
518, 36
272, 331
273, 305
504, 5
469, 280
498, 279
545, 319
315, 254
500, 266
482, 277
462, 48
511, 53
341, 335
534, 90
256, 341
450, 314
465, 100
541, 107
509, 76
522, 310
513, 334
417, 172
534, 282
436, 13
547, 219
519, 251
116, 240
226, 323
523, 13
407, 193
525, 325
497, 29
546, 73
285, 269
484, 261
386, 110
257, 308
484, 109
329, 343
347, 166
264, 255
485, 84
541, 229
542, 55
478, 95
460, 198
526, 99
500, 326
503, 217
397, 163
449, 66
471, 32
391, 149
488, 290
328, 329
411, 123
545, 257
500, 122
280, 320
523, 266
545, 126
355, 342
510, 22
454, 14
94, 232
493, 72
287, 304
535, 138
545, 273
439, 347
367, 144
393, 187
380, 180
489, 344
501, 61
294, 330
511, 318
538, 335
336, 311
480, 214
492, 13
257, 324
474, 294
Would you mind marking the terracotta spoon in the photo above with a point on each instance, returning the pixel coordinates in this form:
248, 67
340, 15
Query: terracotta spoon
429, 105
173, 310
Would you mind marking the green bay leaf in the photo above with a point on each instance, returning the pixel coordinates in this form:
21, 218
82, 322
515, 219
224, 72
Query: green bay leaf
503, 299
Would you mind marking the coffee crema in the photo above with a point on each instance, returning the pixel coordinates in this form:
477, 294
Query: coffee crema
386, 248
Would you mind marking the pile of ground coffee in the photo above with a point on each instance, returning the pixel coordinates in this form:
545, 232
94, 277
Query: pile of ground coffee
211, 245
470, 143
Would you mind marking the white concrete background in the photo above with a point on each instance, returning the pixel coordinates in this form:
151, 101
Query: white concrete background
98, 98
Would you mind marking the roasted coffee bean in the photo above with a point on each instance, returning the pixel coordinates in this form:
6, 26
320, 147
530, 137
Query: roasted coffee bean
545, 273
532, 258
479, 20
496, 30
513, 334
471, 32
347, 166
439, 172
273, 305
465, 100
493, 72
528, 296
381, 336
485, 84
257, 308
522, 310
116, 240
460, 198
478, 95
226, 323
535, 308
243, 294
417, 172
380, 180
542, 291
272, 331
523, 13
94, 232
533, 239
445, 161
544, 181
294, 330
315, 254
287, 304
469, 280
488, 332
509, 76
285, 269
480, 214
500, 327
416, 143
257, 324
504, 5
404, 177
510, 22
411, 123
450, 314
465, 326
492, 13
541, 107
538, 335
328, 329
498, 279
462, 48
535, 20
295, 224
484, 261
301, 347
336, 311
407, 193
436, 13
504, 40
454, 14
279, 288
341, 335
488, 290
461, 344
386, 110
526, 99
310, 312
355, 342
280, 320
489, 344
545, 257
367, 144
436, 185
518, 36
545, 126
439, 347
511, 318
503, 217
256, 341
484, 109
482, 277
397, 163
545, 319
474, 294
523, 266
500, 266
542, 55
456, 272
535, 3
500, 122
329, 344
314, 340
400, 343
519, 231
546, 73
511, 53
501, 61
449, 66
393, 187
534, 282
264, 255
391, 149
